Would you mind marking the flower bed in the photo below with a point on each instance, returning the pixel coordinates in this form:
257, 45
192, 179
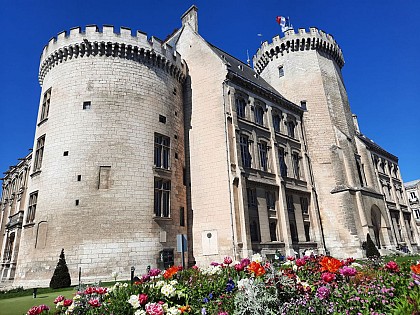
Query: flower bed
308, 285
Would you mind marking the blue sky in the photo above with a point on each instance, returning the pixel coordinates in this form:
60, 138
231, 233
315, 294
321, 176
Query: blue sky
379, 40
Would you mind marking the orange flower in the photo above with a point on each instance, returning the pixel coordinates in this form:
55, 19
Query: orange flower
330, 264
415, 269
256, 268
170, 272
185, 309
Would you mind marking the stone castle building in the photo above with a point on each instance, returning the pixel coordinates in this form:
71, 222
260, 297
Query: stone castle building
413, 193
139, 140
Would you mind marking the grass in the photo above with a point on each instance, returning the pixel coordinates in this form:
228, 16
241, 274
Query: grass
401, 259
20, 305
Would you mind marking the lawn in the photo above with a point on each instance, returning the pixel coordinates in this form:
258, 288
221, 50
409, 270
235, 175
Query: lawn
20, 305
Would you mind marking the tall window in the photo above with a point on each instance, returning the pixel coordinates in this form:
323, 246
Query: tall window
245, 155
162, 197
259, 115
273, 228
162, 151
252, 197
30, 216
39, 153
271, 200
281, 71
9, 247
282, 162
291, 129
45, 105
304, 205
263, 149
276, 122
292, 218
240, 107
296, 169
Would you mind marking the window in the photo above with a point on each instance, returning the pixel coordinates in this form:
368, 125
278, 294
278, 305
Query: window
245, 155
304, 205
104, 177
162, 197
66, 153
296, 169
259, 115
276, 122
281, 71
282, 162
359, 172
273, 232
30, 216
307, 228
45, 105
182, 216
254, 231
86, 105
417, 213
39, 153
271, 200
263, 150
291, 129
162, 151
290, 206
240, 107
9, 247
162, 119
167, 258
252, 197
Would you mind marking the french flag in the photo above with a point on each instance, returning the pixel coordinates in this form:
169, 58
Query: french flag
281, 20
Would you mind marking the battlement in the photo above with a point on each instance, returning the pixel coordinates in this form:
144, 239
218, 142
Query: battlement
109, 42
302, 40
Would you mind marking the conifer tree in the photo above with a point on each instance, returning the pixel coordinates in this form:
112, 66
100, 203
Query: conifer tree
371, 250
61, 277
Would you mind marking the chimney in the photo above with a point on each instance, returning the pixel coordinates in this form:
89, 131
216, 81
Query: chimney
355, 123
191, 18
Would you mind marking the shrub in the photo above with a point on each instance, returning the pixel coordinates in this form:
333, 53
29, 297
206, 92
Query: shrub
371, 250
61, 277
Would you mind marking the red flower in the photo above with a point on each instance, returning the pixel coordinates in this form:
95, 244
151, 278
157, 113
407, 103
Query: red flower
94, 302
239, 267
300, 262
227, 260
170, 272
330, 264
415, 269
67, 302
328, 277
256, 269
143, 299
90, 290
101, 290
392, 266
58, 299
291, 258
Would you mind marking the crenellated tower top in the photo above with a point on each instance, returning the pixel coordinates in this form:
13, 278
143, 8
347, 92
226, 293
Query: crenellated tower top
313, 40
108, 42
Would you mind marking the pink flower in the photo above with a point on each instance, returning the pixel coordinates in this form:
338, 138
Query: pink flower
227, 260
300, 262
67, 302
154, 272
348, 271
195, 267
322, 293
101, 290
94, 302
291, 258
245, 262
239, 267
90, 290
223, 313
36, 310
328, 277
392, 266
143, 299
154, 309
58, 299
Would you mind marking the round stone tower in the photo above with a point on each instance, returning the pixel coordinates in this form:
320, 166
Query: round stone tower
106, 178
306, 68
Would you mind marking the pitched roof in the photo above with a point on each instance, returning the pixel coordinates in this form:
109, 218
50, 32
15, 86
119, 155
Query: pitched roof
412, 183
375, 147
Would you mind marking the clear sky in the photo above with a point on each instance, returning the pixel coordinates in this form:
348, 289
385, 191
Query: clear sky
379, 38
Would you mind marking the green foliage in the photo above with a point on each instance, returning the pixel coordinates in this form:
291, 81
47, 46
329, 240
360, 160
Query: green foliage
408, 304
61, 277
371, 250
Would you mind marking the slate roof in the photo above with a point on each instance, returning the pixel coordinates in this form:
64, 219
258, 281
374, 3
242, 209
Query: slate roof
375, 147
244, 71
412, 183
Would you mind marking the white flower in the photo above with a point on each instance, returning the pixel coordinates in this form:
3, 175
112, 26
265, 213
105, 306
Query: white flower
173, 311
125, 285
70, 309
173, 282
355, 264
77, 297
243, 283
134, 301
59, 304
159, 284
212, 270
257, 258
115, 275
168, 290
140, 312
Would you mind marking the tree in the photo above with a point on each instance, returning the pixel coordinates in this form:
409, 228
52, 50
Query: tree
371, 250
61, 277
